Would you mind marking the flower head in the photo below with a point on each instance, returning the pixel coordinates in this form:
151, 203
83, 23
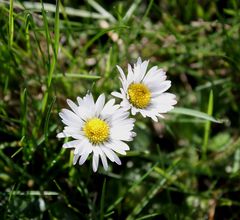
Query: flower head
145, 91
98, 128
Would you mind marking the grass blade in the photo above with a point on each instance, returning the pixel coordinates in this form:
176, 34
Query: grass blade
47, 118
76, 75
54, 58
11, 25
207, 125
23, 99
69, 11
102, 200
194, 113
56, 30
131, 10
101, 10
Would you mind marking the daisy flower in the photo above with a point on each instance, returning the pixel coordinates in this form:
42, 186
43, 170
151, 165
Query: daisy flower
145, 91
99, 129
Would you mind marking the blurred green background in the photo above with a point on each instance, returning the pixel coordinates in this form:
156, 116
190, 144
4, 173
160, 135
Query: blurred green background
183, 167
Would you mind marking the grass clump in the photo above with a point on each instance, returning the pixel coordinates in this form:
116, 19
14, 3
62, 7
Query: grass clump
185, 167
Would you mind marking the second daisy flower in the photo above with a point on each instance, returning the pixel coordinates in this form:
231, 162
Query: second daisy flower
145, 92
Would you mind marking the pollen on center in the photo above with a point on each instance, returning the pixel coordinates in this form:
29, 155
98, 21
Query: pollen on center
139, 95
96, 130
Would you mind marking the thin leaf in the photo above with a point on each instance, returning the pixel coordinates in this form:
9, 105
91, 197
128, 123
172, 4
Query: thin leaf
194, 113
207, 125
47, 118
131, 10
69, 11
102, 200
56, 30
11, 25
76, 75
101, 10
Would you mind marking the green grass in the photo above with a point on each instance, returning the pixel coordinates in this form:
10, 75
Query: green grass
187, 166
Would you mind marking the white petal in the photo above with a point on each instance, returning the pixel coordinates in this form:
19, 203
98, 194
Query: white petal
154, 118
99, 104
109, 108
121, 73
88, 99
121, 135
130, 75
114, 146
75, 124
109, 153
120, 114
104, 160
88, 106
72, 105
79, 100
139, 61
121, 144
159, 88
140, 71
154, 72
75, 158
116, 159
134, 110
117, 94
87, 150
72, 144
95, 159
79, 150
61, 135
66, 114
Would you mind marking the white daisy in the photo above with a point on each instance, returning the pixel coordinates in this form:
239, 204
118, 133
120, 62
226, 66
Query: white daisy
97, 128
144, 91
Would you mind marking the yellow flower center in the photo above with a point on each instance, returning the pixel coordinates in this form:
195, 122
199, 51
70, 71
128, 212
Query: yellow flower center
139, 95
96, 130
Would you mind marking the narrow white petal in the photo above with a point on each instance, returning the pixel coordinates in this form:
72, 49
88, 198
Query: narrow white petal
75, 124
84, 157
117, 94
72, 105
69, 115
121, 144
160, 88
116, 159
87, 150
154, 118
121, 135
121, 73
139, 61
140, 71
109, 108
88, 107
109, 153
75, 158
72, 144
134, 110
95, 159
79, 100
104, 160
130, 76
115, 147
79, 150
61, 135
100, 104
